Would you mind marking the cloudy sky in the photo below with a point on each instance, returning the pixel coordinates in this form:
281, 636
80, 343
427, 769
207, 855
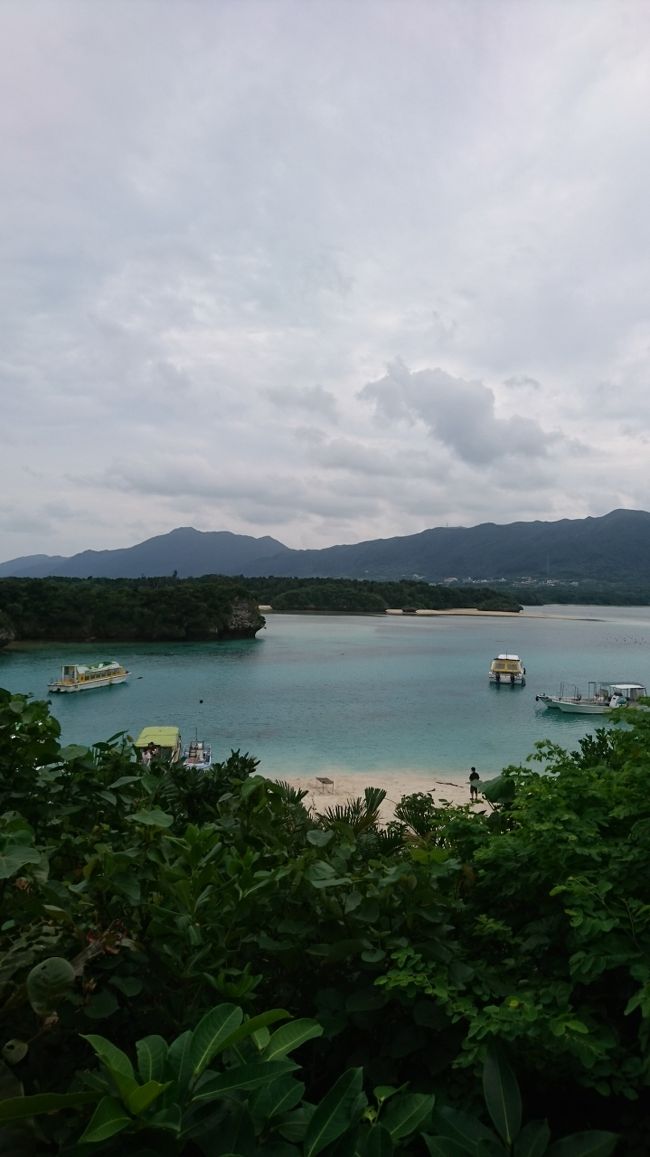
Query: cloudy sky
328, 271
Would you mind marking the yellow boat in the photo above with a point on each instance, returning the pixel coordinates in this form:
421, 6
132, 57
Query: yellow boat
159, 743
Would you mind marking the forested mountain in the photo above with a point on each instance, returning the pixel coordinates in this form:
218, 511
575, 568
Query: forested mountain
612, 548
186, 551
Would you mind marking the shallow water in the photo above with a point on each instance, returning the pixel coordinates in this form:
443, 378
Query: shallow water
331, 692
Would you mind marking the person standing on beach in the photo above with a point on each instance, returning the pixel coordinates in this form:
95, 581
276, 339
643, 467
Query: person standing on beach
473, 783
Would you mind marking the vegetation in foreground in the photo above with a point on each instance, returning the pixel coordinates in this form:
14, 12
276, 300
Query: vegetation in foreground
195, 964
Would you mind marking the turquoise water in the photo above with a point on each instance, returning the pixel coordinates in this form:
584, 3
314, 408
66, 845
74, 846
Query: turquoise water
355, 694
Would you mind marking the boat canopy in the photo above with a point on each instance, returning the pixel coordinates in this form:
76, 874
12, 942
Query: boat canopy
629, 690
168, 737
509, 664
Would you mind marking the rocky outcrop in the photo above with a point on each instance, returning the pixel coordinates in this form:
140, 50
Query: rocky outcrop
243, 622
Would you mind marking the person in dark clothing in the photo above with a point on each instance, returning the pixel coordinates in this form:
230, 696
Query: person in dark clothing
473, 783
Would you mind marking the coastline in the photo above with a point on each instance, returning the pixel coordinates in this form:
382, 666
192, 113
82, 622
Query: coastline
345, 786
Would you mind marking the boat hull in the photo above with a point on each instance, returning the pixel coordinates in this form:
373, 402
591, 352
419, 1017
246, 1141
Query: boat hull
582, 708
67, 688
507, 680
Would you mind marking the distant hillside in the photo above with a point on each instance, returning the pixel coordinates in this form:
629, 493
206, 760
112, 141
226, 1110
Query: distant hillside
612, 548
186, 551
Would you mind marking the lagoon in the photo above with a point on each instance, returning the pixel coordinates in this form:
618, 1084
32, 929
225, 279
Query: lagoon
314, 694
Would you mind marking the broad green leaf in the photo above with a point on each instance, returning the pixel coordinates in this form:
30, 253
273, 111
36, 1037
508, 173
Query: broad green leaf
248, 1076
101, 1004
179, 1056
533, 1140
318, 838
594, 1143
21, 1108
334, 1114
153, 817
255, 1025
210, 1033
280, 1096
294, 1126
151, 1052
407, 1113
169, 1119
108, 1119
382, 1092
379, 1142
13, 857
446, 1147
144, 1095
115, 1062
284, 1040
502, 1096
462, 1127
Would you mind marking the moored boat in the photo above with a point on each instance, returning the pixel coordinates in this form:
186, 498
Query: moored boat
85, 676
198, 755
159, 743
600, 698
507, 669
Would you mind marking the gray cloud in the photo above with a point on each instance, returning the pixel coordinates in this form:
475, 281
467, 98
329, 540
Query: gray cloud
460, 413
213, 234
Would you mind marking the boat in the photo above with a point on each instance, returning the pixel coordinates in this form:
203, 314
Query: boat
507, 669
600, 698
159, 743
83, 677
198, 755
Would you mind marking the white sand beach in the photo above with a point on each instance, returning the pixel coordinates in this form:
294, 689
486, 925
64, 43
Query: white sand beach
344, 786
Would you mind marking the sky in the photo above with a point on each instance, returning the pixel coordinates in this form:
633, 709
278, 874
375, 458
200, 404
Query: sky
328, 271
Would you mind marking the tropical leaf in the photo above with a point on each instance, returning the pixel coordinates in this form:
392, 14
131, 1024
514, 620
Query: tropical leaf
284, 1040
248, 1076
115, 1062
335, 1113
21, 1108
594, 1143
151, 1052
533, 1140
108, 1119
502, 1096
406, 1113
210, 1033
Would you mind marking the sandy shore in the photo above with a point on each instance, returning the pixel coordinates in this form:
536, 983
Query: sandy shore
345, 786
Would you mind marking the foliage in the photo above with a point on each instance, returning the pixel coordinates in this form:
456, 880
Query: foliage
126, 609
136, 900
372, 596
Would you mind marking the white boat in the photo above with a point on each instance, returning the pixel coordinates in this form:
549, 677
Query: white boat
198, 755
83, 677
600, 698
507, 669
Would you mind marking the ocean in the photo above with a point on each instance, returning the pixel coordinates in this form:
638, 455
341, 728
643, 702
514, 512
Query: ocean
355, 694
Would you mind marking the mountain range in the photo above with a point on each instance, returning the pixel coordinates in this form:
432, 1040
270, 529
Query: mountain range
612, 548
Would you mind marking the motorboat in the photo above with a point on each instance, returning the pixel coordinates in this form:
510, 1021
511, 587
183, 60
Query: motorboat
86, 676
159, 743
198, 755
600, 698
507, 669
